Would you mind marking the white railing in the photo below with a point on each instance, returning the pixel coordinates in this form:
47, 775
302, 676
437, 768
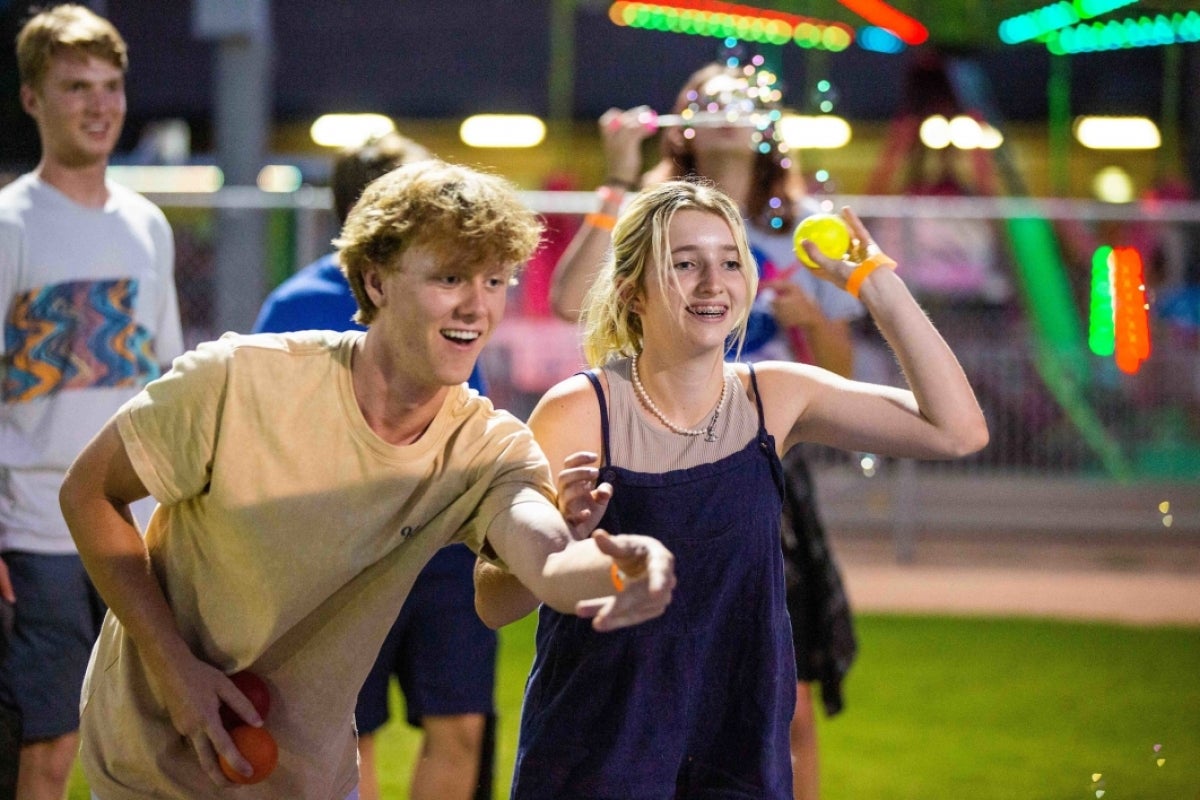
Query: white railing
1081, 425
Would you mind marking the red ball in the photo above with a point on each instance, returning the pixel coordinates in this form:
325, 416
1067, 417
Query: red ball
258, 747
256, 691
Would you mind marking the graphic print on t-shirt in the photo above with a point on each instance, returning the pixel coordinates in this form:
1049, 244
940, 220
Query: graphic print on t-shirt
75, 335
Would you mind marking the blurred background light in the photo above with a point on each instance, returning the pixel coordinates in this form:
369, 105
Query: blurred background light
1122, 34
1113, 185
885, 16
280, 178
1117, 133
731, 20
176, 179
1041, 21
935, 132
502, 130
822, 132
879, 40
349, 130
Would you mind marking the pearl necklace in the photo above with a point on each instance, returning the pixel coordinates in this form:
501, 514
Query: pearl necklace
644, 396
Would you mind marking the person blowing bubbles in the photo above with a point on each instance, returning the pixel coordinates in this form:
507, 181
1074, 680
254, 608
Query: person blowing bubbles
794, 316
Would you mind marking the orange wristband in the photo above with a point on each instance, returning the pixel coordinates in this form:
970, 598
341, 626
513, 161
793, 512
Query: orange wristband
605, 222
863, 270
618, 577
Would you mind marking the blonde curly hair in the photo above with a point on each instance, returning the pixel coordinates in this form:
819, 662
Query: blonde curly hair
475, 217
641, 251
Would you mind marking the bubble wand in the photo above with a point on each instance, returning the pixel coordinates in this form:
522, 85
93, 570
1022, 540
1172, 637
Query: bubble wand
731, 118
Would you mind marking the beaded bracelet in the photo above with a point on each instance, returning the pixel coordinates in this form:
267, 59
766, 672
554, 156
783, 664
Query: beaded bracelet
618, 577
863, 270
605, 222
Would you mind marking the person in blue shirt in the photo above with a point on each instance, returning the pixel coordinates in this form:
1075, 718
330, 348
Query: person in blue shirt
442, 655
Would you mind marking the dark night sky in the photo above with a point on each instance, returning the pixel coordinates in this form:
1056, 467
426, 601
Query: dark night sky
438, 59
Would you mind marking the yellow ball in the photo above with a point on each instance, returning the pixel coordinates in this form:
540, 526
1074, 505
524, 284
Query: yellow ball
827, 231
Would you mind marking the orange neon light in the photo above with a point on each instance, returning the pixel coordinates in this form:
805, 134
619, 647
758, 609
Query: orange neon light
1131, 327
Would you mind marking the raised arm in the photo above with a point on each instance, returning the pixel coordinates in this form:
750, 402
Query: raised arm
95, 498
938, 416
622, 133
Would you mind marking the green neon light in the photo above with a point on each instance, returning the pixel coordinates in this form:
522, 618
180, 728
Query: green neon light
1044, 279
1059, 350
1154, 31
726, 20
1101, 332
1037, 23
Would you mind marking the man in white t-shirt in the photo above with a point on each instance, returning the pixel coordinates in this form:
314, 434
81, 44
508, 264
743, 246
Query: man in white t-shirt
303, 480
89, 313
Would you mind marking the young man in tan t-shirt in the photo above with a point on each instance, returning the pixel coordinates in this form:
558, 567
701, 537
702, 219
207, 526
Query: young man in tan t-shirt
303, 481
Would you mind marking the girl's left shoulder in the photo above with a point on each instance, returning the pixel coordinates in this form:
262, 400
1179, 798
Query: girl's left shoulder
784, 383
772, 371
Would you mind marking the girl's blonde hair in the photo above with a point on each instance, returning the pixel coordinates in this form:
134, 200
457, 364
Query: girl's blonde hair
641, 251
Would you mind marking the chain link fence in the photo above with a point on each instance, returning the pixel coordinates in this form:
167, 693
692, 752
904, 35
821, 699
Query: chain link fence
1059, 415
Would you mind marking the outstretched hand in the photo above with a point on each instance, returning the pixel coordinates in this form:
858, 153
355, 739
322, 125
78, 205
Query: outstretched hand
581, 500
648, 578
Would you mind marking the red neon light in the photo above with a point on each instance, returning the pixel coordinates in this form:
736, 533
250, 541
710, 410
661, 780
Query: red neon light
1131, 328
716, 7
880, 13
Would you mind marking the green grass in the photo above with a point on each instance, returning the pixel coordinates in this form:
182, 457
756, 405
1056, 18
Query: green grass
944, 708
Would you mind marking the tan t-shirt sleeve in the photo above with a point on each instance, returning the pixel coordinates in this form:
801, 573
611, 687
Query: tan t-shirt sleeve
169, 428
520, 473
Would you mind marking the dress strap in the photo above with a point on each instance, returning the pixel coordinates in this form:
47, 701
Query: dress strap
762, 420
591, 376
765, 441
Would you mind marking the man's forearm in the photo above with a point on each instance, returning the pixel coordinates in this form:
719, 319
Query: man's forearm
533, 541
500, 598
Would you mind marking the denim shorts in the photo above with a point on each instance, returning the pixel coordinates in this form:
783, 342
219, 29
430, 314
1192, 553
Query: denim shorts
441, 653
57, 619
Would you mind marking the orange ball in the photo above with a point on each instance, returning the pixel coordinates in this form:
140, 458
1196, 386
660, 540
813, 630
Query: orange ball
827, 231
258, 747
256, 691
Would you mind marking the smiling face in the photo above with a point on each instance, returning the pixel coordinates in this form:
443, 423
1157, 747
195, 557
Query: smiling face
79, 107
699, 297
435, 314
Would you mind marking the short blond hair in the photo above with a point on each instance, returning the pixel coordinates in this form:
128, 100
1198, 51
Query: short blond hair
68, 28
641, 251
476, 218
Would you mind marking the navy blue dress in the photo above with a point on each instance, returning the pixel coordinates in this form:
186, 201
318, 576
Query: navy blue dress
695, 703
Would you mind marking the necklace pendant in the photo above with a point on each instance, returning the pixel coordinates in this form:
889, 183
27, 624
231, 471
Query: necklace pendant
709, 436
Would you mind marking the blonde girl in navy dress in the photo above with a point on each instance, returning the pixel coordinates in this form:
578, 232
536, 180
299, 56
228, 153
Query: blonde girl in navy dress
666, 439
